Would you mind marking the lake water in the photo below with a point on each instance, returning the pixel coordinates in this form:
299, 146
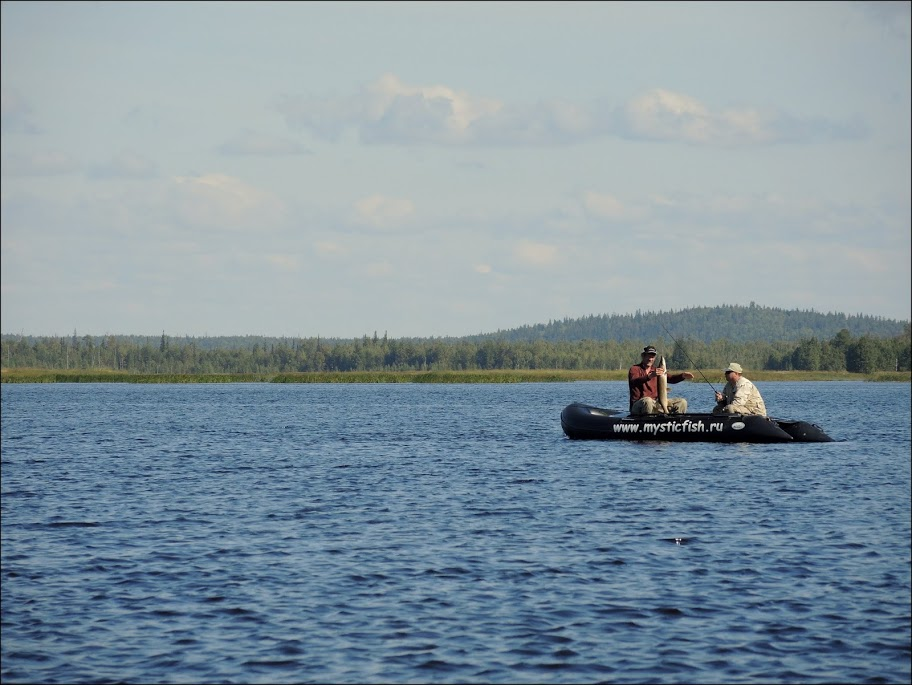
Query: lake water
258, 533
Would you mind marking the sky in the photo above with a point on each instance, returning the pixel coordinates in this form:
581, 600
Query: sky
434, 169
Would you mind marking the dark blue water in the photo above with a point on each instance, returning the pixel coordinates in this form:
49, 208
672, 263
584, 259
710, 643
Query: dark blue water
257, 533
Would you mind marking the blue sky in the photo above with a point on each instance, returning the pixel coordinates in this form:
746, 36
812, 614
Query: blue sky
448, 168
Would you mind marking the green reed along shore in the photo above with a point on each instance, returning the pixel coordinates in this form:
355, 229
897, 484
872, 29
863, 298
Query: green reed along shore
476, 376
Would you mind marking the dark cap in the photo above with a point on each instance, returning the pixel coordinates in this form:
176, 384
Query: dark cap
649, 349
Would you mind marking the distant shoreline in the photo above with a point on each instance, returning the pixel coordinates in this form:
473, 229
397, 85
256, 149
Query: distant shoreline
492, 376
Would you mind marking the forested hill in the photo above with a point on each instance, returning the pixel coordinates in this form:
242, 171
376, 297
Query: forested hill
736, 323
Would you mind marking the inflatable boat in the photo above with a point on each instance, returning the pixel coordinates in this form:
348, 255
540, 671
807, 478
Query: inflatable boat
585, 422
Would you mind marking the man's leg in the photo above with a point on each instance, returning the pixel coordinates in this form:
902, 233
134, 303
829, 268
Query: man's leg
677, 405
644, 405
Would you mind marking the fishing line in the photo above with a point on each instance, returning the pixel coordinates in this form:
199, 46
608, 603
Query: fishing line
681, 347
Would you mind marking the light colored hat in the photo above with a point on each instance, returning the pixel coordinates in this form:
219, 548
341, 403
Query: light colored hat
732, 366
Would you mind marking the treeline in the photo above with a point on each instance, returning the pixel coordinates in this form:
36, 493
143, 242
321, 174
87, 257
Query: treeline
843, 352
740, 324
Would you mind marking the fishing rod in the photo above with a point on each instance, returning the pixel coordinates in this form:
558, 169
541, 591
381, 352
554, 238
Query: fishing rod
681, 347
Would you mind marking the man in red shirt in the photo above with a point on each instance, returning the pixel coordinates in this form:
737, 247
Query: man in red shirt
644, 386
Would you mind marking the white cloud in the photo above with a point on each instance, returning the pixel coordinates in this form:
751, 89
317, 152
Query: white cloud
436, 114
609, 207
284, 262
389, 111
663, 115
222, 202
330, 248
536, 254
381, 211
378, 269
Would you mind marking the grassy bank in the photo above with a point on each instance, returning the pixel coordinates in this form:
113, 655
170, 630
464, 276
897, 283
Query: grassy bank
518, 376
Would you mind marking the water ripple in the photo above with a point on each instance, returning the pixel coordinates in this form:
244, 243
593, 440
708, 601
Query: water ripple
445, 534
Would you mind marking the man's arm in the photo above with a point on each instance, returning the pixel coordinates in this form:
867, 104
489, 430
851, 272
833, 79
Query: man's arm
637, 376
741, 394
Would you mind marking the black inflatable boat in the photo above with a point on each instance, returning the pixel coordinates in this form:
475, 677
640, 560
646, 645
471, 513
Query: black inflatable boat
584, 422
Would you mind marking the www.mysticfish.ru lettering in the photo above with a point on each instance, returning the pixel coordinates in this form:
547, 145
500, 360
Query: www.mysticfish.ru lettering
686, 426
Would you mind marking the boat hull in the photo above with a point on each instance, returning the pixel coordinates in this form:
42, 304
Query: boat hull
585, 422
